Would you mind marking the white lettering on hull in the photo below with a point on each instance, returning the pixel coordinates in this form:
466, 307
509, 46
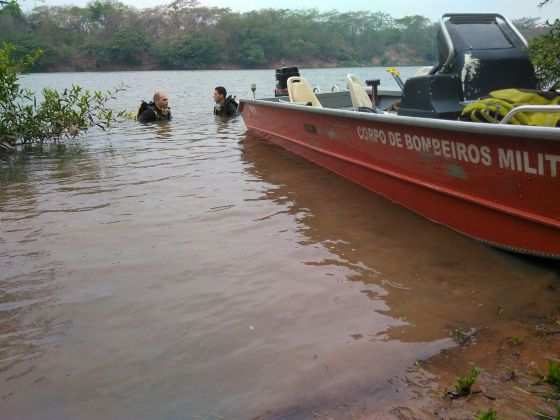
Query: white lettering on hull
530, 163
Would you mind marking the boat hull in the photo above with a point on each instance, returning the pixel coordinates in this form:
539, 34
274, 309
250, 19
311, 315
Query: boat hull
500, 189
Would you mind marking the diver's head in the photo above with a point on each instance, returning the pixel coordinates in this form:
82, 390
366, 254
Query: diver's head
220, 94
161, 101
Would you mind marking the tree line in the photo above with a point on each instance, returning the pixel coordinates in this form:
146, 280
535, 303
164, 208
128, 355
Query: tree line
109, 35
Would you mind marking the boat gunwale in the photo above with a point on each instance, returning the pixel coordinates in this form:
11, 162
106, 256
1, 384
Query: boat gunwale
516, 131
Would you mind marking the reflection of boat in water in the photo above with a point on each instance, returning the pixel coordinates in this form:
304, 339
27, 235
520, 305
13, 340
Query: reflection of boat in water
429, 277
494, 182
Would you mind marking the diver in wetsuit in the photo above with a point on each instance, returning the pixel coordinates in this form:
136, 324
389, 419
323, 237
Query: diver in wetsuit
158, 110
225, 106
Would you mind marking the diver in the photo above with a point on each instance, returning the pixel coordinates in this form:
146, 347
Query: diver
157, 110
225, 106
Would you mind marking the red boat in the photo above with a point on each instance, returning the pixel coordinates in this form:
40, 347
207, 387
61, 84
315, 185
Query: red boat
498, 183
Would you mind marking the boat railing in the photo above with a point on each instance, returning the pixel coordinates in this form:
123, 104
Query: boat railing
529, 108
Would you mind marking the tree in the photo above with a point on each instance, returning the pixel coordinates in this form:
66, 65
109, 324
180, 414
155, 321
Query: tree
59, 115
11, 8
125, 47
419, 33
11, 20
530, 27
252, 54
545, 54
106, 34
191, 52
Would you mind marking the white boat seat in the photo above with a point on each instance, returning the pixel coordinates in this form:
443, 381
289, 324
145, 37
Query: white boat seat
300, 91
358, 93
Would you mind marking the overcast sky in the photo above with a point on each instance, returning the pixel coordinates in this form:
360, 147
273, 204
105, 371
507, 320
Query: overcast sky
397, 8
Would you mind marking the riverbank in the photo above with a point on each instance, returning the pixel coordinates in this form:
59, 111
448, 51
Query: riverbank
513, 356
512, 350
304, 64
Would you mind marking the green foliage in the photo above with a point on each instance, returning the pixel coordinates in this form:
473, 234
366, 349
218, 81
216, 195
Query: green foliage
59, 115
530, 27
125, 47
487, 415
11, 8
553, 374
107, 34
251, 54
463, 385
545, 54
516, 340
192, 51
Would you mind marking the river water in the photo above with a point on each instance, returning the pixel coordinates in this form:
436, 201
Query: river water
186, 270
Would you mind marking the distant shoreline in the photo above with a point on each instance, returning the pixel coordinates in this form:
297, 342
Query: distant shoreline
111, 36
221, 68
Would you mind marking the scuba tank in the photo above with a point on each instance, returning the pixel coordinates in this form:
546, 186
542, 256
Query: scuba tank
143, 106
228, 108
231, 101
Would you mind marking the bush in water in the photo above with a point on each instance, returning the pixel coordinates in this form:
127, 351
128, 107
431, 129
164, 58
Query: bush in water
66, 114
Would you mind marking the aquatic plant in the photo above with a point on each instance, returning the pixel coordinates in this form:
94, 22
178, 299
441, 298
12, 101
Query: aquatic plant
553, 375
58, 115
516, 340
487, 415
463, 336
463, 385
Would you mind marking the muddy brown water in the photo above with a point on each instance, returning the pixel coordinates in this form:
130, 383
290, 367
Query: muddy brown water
191, 271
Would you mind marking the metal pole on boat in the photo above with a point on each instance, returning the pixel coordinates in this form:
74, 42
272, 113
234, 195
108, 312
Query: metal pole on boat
530, 108
254, 89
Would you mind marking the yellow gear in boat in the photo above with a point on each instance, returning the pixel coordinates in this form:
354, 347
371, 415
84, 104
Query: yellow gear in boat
500, 102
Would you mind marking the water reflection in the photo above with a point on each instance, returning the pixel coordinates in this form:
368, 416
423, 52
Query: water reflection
224, 124
430, 278
24, 338
163, 130
28, 276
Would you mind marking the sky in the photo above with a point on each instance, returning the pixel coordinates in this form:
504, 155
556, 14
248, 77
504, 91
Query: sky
433, 9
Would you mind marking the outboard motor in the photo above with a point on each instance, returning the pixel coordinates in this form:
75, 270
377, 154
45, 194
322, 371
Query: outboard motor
282, 76
478, 53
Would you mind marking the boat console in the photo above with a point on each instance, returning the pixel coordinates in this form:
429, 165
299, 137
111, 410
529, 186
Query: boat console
478, 53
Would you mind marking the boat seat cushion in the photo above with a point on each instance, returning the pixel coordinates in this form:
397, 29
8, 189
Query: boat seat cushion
300, 91
360, 98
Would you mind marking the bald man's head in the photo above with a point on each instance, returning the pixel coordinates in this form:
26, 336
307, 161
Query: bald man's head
161, 100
